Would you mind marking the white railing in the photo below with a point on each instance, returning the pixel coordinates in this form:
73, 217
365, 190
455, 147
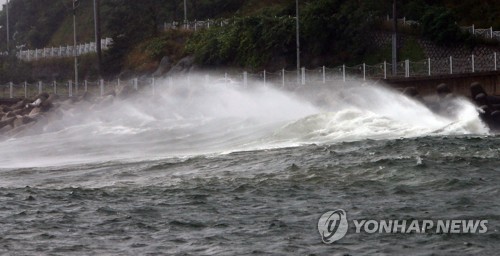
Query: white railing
282, 78
62, 51
194, 25
487, 33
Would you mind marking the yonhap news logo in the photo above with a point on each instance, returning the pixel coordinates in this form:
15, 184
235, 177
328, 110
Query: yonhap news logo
333, 226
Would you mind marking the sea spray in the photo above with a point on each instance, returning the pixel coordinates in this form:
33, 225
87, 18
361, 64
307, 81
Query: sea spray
211, 117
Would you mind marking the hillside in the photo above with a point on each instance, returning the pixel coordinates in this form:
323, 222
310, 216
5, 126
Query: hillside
260, 33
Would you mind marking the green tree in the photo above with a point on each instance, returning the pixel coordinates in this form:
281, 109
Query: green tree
439, 25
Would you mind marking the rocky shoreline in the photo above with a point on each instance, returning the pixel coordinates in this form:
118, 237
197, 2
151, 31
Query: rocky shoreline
17, 116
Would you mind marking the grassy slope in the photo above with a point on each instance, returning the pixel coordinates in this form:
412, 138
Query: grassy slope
85, 26
140, 61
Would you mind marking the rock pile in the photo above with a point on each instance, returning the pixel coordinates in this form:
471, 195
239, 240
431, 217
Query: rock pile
46, 107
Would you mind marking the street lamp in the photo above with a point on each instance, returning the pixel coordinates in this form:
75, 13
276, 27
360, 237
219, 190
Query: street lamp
97, 28
7, 23
298, 40
75, 53
394, 39
185, 14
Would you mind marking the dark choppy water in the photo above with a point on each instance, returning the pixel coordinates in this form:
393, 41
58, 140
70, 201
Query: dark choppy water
258, 202
217, 170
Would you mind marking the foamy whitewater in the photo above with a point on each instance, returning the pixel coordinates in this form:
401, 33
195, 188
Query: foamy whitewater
210, 118
222, 169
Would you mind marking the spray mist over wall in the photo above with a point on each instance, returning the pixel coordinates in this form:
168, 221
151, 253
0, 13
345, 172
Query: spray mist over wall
199, 117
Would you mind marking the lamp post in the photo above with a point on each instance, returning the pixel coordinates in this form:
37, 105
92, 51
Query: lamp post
97, 28
75, 53
298, 40
7, 23
394, 40
185, 14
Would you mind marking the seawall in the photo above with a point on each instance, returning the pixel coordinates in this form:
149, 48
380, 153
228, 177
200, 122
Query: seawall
458, 83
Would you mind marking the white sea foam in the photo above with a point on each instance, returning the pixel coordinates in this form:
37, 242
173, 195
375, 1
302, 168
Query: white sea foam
202, 118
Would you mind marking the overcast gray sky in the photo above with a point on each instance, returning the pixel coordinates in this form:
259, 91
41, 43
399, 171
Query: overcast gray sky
1, 3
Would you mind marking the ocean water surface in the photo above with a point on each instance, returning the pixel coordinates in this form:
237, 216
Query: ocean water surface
213, 169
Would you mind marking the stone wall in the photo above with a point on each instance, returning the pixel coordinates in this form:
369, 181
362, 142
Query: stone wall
458, 83
433, 51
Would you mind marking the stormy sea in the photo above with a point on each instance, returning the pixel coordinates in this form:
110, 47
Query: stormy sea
224, 169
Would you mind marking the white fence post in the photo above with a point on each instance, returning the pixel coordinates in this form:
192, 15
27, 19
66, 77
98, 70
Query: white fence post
70, 88
55, 87
491, 32
473, 30
495, 60
153, 84
25, 89
136, 87
343, 72
364, 72
40, 89
245, 77
265, 82
283, 77
407, 68
429, 65
451, 65
86, 85
385, 69
324, 75
472, 60
303, 76
101, 85
11, 90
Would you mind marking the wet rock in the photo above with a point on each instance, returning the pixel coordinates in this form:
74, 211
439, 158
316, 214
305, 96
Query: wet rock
18, 112
34, 112
183, 66
6, 122
46, 105
20, 104
6, 109
164, 67
22, 120
11, 114
443, 90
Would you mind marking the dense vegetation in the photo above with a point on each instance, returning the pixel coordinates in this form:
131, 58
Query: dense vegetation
259, 33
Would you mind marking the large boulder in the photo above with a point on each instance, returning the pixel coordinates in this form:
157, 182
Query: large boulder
183, 66
8, 121
22, 120
20, 104
164, 67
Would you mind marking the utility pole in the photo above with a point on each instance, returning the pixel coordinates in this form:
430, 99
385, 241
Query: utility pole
97, 28
7, 23
75, 53
394, 40
298, 39
185, 14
